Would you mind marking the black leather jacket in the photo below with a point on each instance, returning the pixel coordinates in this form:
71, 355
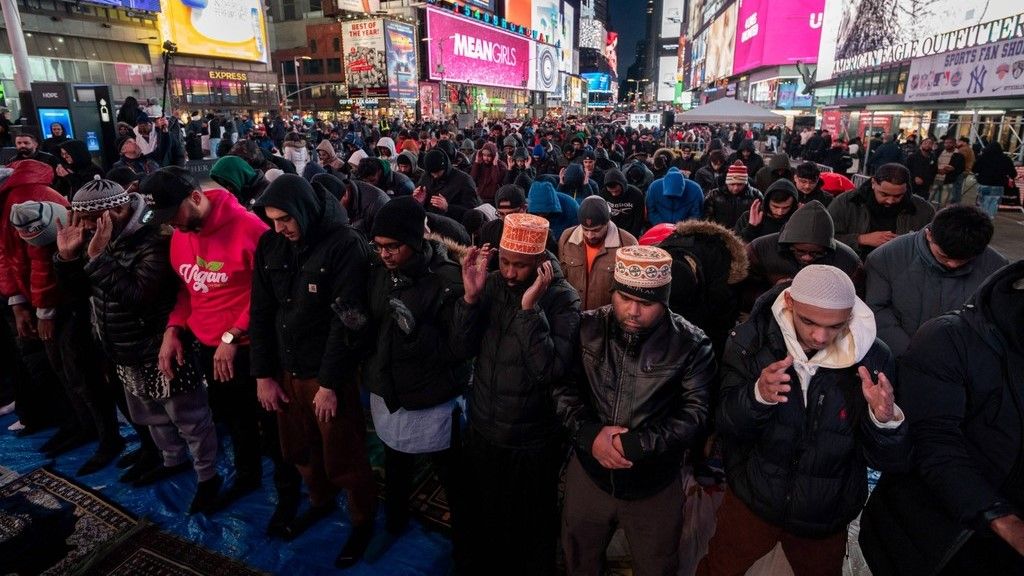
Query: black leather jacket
658, 389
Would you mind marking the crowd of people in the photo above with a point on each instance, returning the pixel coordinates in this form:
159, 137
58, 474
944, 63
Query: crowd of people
530, 306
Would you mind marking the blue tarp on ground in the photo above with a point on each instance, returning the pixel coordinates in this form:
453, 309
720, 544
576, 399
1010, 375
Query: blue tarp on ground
237, 531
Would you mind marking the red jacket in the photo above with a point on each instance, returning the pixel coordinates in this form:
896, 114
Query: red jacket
26, 270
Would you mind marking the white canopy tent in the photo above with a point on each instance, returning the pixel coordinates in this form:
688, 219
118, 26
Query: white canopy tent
729, 110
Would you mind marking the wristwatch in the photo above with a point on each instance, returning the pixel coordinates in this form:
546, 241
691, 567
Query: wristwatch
228, 338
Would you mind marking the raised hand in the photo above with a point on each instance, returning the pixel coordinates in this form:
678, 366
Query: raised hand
104, 232
540, 285
756, 214
474, 272
773, 384
880, 396
70, 239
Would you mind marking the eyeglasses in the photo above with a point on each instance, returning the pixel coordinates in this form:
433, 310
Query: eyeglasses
389, 249
811, 254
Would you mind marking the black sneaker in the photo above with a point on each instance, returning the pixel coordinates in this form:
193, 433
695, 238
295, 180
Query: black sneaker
62, 435
129, 459
354, 549
206, 498
241, 487
161, 473
309, 517
69, 444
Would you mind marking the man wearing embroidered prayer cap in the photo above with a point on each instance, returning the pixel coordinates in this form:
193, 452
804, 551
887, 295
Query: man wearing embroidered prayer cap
520, 322
806, 404
636, 398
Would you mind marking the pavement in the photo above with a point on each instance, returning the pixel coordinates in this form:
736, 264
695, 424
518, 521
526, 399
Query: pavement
1009, 236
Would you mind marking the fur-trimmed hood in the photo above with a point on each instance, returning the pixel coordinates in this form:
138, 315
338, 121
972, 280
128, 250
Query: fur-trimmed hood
455, 250
737, 250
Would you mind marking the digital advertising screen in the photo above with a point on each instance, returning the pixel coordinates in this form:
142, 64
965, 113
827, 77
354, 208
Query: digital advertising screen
233, 29
400, 43
597, 81
50, 116
672, 13
777, 33
475, 53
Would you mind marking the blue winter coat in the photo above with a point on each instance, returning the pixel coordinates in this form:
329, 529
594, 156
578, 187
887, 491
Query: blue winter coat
673, 199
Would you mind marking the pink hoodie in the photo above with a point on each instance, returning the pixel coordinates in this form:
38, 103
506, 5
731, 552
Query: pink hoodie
215, 266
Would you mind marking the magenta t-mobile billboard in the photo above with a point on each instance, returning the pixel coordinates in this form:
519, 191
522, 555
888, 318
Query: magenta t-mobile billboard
777, 32
475, 53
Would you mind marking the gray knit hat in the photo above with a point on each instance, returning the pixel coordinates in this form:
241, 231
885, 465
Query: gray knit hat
99, 195
823, 286
36, 222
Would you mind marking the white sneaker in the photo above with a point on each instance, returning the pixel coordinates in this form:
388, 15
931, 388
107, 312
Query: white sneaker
5, 410
16, 427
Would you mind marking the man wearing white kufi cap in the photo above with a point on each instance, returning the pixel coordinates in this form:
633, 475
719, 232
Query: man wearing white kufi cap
521, 324
805, 406
636, 399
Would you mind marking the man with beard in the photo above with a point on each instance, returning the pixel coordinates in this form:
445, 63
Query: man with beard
587, 252
521, 324
712, 175
919, 276
880, 210
27, 146
770, 215
923, 168
133, 284
212, 252
590, 169
309, 318
805, 406
636, 398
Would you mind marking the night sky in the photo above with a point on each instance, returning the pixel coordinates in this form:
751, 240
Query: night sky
627, 18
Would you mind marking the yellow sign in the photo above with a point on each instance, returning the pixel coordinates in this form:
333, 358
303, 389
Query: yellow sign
233, 29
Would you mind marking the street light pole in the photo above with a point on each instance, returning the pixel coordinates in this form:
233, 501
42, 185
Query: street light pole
298, 88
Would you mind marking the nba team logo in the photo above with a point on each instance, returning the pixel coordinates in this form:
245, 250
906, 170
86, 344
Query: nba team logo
956, 78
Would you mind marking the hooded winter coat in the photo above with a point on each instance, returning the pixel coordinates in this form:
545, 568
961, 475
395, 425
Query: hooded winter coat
778, 168
772, 260
638, 174
297, 153
561, 211
960, 387
455, 185
816, 195
488, 177
754, 162
801, 465
82, 169
907, 286
594, 285
851, 214
520, 356
26, 271
364, 202
724, 207
412, 158
769, 224
243, 181
628, 209
674, 198
572, 183
309, 310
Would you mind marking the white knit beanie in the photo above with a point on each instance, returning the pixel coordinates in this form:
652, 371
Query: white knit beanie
823, 286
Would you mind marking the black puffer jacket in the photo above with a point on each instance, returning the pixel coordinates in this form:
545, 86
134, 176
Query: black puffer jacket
709, 179
308, 311
422, 369
133, 292
801, 468
754, 162
960, 388
725, 208
658, 390
520, 355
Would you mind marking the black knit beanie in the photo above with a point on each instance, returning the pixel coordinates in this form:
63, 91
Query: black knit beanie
402, 219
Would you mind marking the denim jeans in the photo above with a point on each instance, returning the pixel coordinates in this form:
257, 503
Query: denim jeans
989, 197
